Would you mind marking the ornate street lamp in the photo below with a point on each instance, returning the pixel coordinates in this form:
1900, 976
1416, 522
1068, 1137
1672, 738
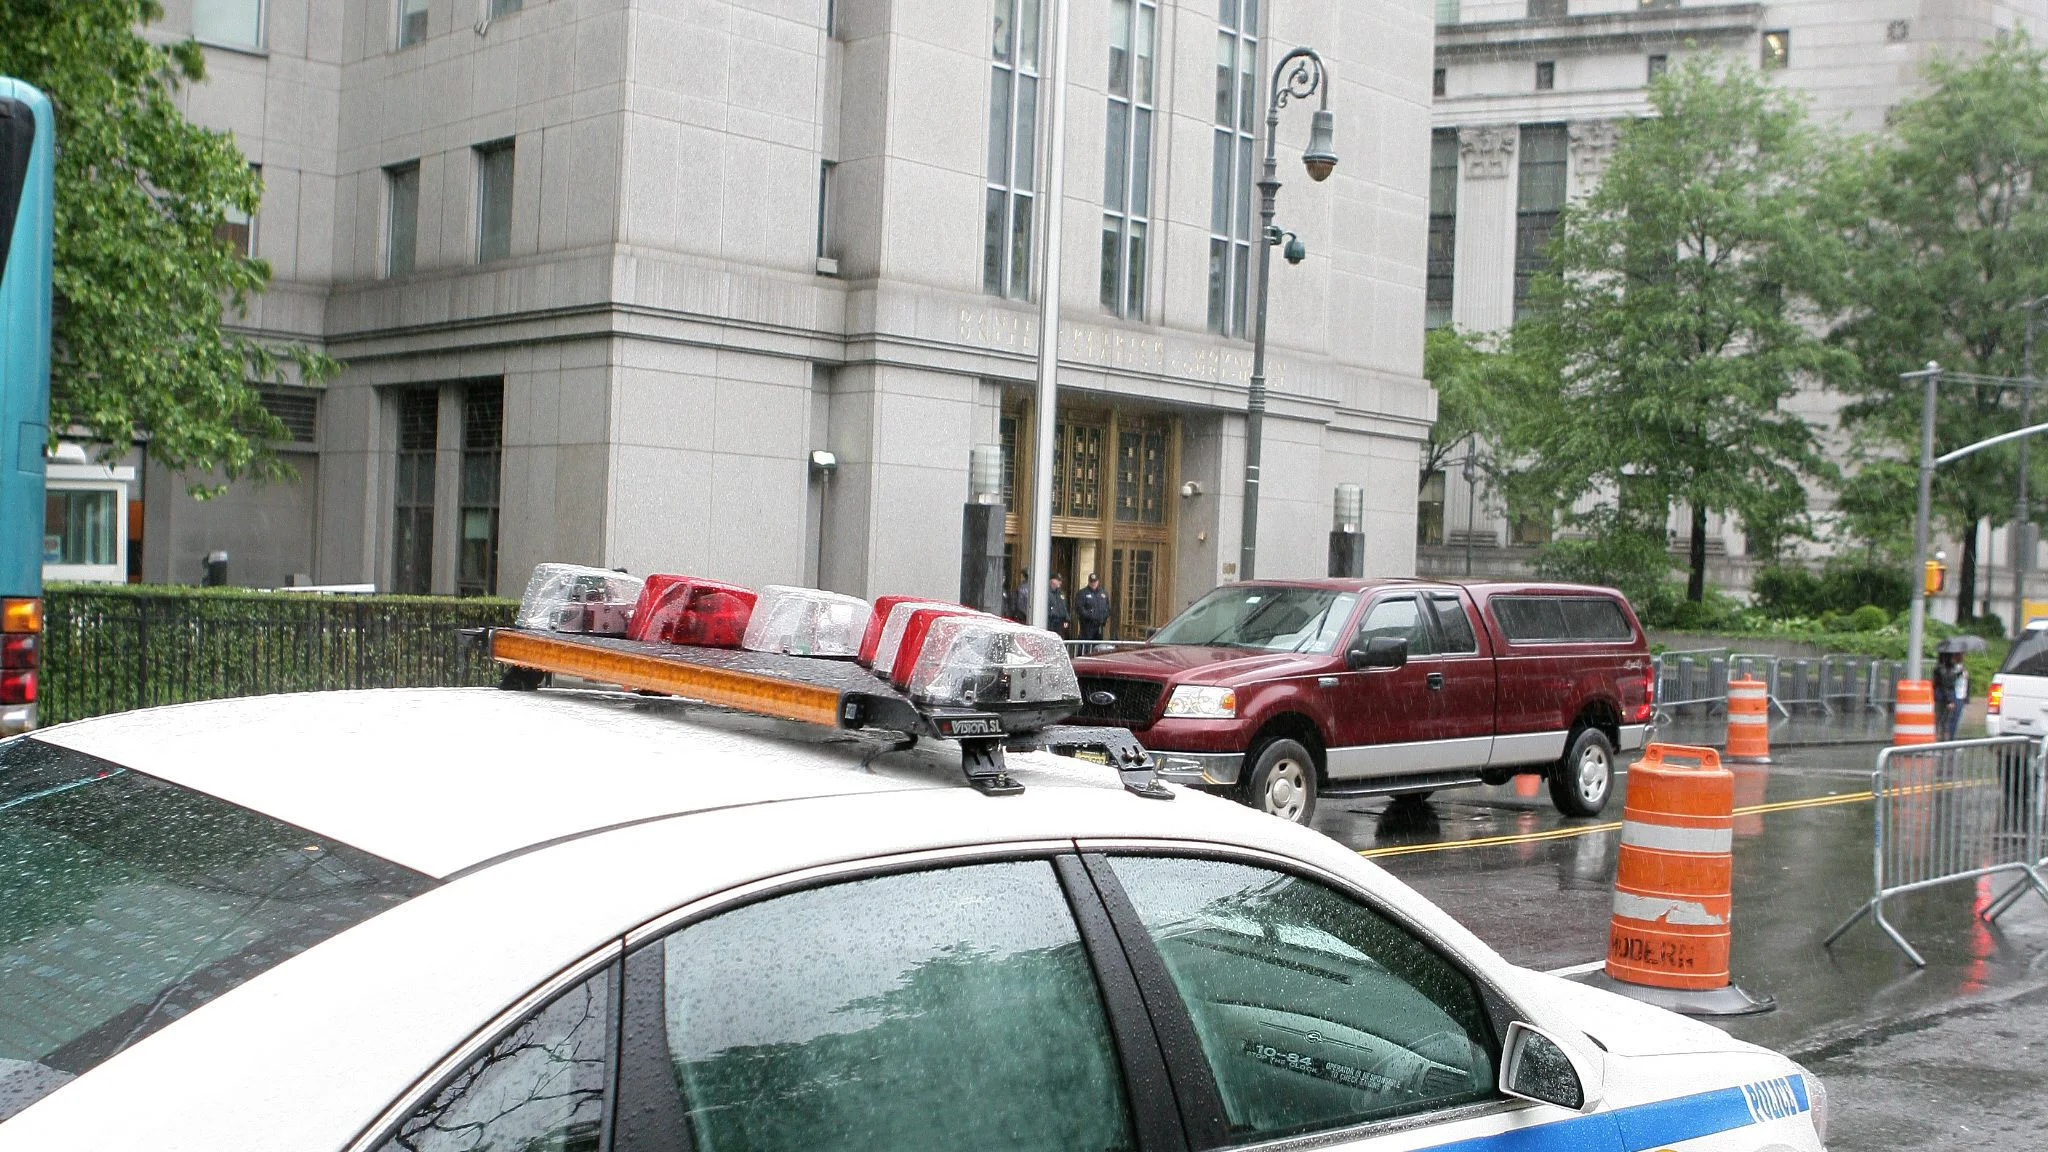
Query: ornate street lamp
1299, 75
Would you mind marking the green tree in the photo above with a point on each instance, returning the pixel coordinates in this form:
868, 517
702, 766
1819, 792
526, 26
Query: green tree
1949, 227
1458, 366
148, 295
1675, 321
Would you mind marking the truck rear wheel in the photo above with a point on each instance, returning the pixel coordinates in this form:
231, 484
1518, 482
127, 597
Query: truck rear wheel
1581, 783
1282, 781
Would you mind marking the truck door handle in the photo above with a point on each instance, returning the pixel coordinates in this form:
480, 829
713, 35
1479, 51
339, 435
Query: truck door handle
1436, 681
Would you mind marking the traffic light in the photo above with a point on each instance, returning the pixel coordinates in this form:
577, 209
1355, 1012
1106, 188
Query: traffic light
1937, 573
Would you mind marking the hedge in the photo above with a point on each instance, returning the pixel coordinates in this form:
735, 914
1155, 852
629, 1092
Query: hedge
109, 648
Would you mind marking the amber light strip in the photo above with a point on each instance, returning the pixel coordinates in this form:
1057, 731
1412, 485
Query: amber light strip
744, 691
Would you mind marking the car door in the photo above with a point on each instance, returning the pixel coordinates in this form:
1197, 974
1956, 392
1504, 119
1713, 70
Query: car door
945, 1007
1465, 700
1318, 1017
1383, 720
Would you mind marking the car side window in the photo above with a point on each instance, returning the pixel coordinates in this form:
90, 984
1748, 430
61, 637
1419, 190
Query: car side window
1314, 1011
1455, 624
540, 1089
1401, 617
952, 1008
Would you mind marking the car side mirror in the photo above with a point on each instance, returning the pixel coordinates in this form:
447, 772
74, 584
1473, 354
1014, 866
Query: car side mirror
1537, 1068
1378, 652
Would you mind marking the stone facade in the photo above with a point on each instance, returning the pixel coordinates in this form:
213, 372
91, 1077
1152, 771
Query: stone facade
738, 236
1852, 59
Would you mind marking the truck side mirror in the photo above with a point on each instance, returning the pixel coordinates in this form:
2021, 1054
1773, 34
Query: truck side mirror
1377, 652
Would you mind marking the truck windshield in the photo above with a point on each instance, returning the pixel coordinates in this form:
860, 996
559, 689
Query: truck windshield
127, 902
1275, 618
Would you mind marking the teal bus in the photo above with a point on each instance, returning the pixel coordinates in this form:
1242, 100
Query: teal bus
28, 144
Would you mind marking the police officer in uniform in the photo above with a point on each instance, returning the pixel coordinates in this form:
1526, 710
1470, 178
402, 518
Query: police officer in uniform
1091, 605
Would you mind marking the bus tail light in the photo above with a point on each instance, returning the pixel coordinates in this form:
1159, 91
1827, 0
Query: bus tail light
981, 662
21, 626
806, 622
691, 610
573, 598
21, 614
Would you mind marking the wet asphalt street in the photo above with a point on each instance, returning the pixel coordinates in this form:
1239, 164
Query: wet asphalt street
1954, 1055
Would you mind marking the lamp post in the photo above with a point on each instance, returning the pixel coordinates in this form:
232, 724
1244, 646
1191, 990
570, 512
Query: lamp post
1299, 75
1470, 470
2021, 554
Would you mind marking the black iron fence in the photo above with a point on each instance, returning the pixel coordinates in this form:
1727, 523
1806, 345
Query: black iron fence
112, 649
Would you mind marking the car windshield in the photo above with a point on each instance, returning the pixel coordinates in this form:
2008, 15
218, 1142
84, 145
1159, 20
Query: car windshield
127, 902
1270, 617
2029, 655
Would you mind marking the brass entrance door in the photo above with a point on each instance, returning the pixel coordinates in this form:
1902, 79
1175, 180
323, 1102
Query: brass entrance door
1113, 473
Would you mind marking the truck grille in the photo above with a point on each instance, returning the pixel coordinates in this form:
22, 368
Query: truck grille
1135, 700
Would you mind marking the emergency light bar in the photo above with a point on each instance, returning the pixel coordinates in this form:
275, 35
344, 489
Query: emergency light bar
962, 675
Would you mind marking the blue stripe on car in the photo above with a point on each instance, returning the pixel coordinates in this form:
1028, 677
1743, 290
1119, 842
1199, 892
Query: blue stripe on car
1647, 1126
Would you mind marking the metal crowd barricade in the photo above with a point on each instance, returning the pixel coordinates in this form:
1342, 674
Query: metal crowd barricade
1759, 666
1883, 692
1954, 811
1695, 677
1844, 682
1799, 683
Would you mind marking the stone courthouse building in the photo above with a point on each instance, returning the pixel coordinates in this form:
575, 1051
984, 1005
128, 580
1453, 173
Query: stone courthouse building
606, 274
1527, 94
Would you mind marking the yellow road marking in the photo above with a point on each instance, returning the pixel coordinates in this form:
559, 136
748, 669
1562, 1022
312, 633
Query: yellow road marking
1578, 830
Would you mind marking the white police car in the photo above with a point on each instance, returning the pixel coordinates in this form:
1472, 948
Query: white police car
588, 921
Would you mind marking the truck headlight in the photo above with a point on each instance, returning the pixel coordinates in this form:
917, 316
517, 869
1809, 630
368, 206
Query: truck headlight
1204, 703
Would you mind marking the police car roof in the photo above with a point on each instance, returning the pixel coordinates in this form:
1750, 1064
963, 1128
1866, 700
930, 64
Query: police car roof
444, 780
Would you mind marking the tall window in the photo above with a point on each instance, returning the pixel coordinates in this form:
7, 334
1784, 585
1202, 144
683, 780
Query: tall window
402, 230
494, 166
229, 23
483, 426
1127, 165
1429, 510
237, 229
828, 243
1012, 149
1546, 75
1230, 181
1777, 50
412, 22
1443, 226
1540, 198
412, 536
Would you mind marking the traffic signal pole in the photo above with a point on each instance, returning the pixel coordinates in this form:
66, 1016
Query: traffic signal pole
1916, 632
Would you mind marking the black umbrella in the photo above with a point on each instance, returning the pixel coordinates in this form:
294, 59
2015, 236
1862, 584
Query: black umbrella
1962, 644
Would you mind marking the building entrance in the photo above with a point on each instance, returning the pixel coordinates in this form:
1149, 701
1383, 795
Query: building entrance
1114, 471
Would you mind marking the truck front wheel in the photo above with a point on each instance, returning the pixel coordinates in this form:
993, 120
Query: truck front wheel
1282, 781
1584, 779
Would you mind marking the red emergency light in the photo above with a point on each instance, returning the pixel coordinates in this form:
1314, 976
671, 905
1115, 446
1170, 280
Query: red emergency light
872, 638
691, 610
916, 626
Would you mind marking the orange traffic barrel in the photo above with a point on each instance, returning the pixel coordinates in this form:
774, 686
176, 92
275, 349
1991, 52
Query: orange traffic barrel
1668, 942
1749, 721
1913, 715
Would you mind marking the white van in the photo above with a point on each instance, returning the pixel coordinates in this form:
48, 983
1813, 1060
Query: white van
2018, 705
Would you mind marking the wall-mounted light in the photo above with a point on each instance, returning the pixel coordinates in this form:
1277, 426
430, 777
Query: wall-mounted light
824, 463
1190, 490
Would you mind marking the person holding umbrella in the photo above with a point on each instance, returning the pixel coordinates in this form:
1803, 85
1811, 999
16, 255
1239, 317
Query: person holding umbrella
1952, 684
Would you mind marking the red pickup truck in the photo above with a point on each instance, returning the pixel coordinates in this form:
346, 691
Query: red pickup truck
1283, 690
